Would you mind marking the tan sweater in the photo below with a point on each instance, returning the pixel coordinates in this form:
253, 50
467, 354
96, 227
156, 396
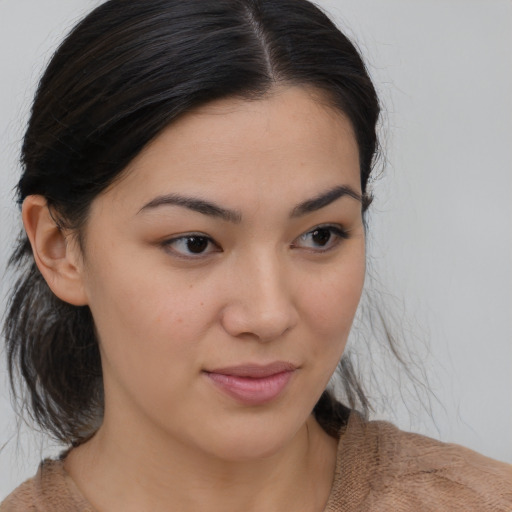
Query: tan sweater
379, 468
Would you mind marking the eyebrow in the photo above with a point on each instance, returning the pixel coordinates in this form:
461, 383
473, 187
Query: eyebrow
325, 199
195, 204
213, 210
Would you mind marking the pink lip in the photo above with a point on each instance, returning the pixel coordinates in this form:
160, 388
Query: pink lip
253, 384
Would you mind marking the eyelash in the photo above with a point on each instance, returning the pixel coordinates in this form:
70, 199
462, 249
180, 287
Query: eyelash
185, 239
336, 234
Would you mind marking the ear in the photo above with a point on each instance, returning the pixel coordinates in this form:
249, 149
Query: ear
56, 255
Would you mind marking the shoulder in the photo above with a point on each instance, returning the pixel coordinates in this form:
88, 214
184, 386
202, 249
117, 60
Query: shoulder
50, 490
389, 469
22, 498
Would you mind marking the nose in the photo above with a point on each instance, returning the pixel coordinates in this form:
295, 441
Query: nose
261, 302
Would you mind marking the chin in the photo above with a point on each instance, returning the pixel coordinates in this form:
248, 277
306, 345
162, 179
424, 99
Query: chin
252, 440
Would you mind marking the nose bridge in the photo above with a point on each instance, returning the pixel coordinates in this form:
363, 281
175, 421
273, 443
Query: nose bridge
262, 304
267, 280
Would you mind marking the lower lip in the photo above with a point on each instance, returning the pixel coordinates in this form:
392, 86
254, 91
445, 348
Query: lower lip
252, 391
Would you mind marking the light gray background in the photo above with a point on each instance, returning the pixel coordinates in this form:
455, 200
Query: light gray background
442, 222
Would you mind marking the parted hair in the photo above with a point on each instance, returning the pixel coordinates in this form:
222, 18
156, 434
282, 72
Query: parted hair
123, 74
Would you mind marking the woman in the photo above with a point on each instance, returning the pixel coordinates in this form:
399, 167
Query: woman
194, 188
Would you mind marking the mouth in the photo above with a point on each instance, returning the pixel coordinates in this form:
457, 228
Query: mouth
253, 384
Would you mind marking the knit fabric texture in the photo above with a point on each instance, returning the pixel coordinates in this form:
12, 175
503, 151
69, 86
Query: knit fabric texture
379, 468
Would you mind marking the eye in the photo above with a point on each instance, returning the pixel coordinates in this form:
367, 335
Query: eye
320, 238
193, 245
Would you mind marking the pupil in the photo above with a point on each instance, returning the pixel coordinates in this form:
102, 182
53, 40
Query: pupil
321, 236
197, 244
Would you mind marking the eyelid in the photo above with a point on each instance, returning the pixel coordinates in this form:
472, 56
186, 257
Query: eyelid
339, 233
336, 229
167, 243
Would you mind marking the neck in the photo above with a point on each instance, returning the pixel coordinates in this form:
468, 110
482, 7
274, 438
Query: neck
117, 470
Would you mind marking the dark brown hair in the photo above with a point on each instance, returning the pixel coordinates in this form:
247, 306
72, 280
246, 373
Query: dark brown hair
121, 76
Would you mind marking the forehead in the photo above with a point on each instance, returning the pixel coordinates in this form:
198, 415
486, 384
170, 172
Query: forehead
290, 139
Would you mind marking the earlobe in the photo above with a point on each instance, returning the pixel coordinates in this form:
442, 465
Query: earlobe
56, 257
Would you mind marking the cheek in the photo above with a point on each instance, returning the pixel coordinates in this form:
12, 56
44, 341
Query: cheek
335, 301
148, 316
329, 304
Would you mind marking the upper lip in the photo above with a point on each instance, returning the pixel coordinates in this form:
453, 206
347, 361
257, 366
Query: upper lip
254, 370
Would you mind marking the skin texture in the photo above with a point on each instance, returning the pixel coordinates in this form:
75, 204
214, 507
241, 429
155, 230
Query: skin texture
262, 291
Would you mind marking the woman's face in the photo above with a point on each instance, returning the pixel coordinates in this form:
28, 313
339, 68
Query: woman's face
223, 273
